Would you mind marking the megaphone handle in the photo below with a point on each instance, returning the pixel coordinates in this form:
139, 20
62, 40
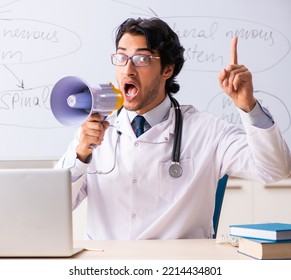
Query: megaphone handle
93, 146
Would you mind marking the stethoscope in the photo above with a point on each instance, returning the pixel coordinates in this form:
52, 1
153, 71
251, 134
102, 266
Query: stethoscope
175, 169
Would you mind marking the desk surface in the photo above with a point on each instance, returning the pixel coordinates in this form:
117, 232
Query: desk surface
199, 249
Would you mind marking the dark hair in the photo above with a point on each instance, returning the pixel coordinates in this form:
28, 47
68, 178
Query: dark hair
159, 37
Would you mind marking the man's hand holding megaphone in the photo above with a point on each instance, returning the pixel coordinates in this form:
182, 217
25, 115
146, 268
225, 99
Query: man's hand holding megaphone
91, 135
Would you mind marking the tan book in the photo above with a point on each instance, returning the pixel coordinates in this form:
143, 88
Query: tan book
265, 249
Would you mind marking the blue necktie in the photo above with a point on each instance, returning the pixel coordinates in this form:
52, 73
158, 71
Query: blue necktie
139, 125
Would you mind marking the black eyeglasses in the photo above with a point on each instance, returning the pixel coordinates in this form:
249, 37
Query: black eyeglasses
139, 60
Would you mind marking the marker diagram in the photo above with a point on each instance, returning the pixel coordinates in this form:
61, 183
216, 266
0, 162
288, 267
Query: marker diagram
26, 42
39, 44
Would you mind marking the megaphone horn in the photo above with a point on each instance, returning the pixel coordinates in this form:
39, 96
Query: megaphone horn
73, 100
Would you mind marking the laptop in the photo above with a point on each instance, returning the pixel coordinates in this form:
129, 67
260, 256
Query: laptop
36, 213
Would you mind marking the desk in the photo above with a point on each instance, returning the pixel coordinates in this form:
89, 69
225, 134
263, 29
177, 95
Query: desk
183, 249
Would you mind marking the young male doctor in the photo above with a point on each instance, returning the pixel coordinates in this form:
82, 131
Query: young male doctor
136, 186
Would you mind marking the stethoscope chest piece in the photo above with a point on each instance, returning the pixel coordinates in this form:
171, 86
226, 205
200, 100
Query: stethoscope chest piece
175, 170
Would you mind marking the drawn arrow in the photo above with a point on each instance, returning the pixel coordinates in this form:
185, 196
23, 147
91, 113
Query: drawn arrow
20, 81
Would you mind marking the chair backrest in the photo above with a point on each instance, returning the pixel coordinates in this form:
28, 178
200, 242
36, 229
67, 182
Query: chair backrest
218, 202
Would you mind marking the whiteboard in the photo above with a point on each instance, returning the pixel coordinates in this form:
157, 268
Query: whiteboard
43, 41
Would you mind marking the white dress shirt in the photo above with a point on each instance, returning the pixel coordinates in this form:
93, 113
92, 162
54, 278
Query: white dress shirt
130, 194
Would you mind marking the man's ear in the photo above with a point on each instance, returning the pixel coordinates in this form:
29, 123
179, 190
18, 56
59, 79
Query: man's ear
168, 71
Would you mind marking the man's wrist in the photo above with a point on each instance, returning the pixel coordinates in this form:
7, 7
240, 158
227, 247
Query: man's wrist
258, 117
85, 159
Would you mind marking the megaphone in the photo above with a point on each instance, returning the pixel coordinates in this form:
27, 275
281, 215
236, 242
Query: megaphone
73, 100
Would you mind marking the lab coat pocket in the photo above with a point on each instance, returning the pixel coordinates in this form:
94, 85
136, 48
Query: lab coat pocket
170, 188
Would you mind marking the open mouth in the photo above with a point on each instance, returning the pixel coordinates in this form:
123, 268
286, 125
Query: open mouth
130, 89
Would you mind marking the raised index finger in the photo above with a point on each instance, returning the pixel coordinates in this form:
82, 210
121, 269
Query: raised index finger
233, 51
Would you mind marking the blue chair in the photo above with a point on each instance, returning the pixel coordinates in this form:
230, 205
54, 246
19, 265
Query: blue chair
218, 202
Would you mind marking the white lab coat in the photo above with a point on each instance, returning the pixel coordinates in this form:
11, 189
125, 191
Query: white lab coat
138, 199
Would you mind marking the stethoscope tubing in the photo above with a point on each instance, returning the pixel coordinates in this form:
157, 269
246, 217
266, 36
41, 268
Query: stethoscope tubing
178, 131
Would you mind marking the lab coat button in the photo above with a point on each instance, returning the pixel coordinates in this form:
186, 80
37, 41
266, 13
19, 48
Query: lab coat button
134, 181
136, 144
133, 215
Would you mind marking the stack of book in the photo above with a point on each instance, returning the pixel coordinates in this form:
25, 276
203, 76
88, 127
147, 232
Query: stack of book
264, 241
